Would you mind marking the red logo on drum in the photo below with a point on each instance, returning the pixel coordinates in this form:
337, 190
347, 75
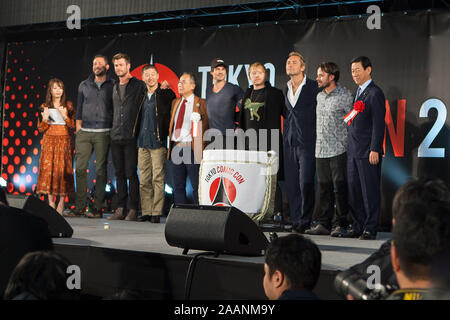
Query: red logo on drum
222, 192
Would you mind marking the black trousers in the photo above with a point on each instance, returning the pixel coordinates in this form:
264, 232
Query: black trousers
332, 177
124, 155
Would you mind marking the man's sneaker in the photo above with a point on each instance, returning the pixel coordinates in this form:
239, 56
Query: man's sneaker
318, 230
339, 232
118, 215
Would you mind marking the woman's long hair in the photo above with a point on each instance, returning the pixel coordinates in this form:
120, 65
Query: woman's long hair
49, 98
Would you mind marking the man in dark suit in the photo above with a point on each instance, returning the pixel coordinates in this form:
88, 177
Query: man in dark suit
188, 122
299, 140
365, 151
20, 233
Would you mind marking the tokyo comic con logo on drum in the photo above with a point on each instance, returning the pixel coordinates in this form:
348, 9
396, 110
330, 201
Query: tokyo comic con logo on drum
222, 192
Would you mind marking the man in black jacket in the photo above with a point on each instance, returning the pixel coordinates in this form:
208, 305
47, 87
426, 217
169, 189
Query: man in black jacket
261, 109
152, 129
128, 96
94, 122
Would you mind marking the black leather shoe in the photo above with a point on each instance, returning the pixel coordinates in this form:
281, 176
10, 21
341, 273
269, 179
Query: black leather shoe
339, 232
318, 230
299, 228
144, 218
155, 219
367, 235
352, 234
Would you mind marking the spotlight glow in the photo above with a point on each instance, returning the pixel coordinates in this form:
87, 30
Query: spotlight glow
168, 189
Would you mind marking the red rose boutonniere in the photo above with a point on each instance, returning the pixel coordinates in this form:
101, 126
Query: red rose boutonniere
358, 107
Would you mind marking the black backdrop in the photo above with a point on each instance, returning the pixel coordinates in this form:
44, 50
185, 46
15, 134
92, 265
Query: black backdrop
409, 56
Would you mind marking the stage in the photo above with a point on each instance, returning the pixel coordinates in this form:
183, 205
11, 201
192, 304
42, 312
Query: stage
135, 256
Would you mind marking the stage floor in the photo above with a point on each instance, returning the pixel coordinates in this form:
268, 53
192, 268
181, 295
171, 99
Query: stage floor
337, 254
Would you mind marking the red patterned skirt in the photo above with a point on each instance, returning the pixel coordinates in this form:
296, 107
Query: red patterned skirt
56, 162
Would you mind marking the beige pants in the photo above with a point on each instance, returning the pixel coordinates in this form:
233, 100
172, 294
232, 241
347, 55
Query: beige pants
151, 170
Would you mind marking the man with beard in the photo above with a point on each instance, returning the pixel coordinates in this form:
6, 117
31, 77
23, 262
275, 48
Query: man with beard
333, 103
93, 125
221, 100
129, 94
261, 110
299, 140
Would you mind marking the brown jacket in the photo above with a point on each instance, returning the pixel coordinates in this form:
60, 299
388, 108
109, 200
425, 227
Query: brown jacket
197, 143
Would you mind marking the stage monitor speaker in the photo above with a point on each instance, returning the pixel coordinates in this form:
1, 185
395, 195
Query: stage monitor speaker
210, 228
57, 225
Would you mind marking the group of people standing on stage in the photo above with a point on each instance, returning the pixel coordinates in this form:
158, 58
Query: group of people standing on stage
326, 130
339, 136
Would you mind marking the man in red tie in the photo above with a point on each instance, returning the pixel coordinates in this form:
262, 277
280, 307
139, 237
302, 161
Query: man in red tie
188, 122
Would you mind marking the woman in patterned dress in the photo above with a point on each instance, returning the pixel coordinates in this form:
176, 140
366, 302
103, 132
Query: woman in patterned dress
56, 162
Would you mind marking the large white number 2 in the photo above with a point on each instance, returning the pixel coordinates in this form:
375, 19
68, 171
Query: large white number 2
424, 149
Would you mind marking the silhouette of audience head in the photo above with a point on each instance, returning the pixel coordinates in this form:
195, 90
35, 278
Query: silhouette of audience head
40, 275
292, 263
428, 190
421, 211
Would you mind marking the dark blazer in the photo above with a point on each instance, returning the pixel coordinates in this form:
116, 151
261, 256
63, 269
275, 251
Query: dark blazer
163, 102
299, 129
20, 233
366, 132
125, 112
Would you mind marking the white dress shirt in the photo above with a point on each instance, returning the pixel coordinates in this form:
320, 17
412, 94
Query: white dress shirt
185, 134
294, 97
